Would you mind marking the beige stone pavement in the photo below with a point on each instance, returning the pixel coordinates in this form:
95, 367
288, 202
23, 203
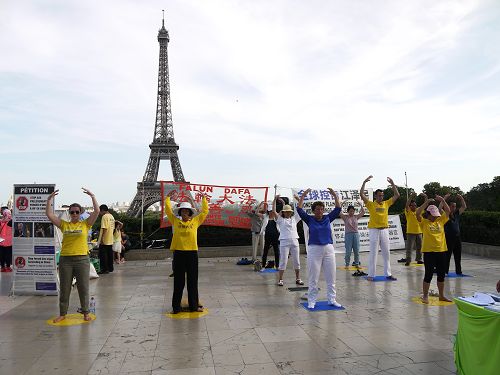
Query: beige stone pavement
253, 326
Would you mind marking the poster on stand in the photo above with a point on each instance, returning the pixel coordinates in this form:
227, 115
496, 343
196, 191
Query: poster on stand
33, 242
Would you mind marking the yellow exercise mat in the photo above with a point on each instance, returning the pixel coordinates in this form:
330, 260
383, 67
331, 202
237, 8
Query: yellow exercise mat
433, 301
185, 313
415, 264
188, 314
352, 268
71, 320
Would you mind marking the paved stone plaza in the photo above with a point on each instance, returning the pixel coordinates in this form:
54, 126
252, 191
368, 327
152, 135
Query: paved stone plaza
253, 326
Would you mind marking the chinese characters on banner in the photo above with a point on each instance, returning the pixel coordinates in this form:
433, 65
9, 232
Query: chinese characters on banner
396, 239
349, 197
33, 243
228, 205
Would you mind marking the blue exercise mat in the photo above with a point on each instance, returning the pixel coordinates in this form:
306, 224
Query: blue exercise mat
321, 306
378, 278
454, 275
268, 270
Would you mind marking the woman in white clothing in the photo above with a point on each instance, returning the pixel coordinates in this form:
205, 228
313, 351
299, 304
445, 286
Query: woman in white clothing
289, 239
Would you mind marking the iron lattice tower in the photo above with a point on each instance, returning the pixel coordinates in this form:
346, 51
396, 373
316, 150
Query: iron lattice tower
163, 146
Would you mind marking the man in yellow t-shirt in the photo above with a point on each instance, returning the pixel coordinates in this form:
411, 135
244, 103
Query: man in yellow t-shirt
413, 231
434, 244
378, 227
106, 240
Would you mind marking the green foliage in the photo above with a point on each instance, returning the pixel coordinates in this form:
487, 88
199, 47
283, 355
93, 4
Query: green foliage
399, 205
207, 235
485, 197
480, 227
433, 188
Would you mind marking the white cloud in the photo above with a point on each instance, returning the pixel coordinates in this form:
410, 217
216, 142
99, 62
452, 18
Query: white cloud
254, 84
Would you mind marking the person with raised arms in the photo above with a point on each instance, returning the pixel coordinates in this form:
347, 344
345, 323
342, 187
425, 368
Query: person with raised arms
413, 231
452, 232
289, 239
351, 237
74, 260
378, 227
434, 248
320, 253
185, 247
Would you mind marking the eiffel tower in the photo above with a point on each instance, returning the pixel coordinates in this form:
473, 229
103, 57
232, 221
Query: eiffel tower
163, 146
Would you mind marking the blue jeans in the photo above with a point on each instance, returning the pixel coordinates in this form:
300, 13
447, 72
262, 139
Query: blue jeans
351, 243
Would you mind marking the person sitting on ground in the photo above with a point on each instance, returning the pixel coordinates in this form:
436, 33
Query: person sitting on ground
320, 252
289, 239
74, 260
351, 234
433, 244
126, 245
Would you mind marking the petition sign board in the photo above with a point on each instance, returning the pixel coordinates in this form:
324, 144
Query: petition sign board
33, 244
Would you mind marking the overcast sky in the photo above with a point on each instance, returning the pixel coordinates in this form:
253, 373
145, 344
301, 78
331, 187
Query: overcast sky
294, 93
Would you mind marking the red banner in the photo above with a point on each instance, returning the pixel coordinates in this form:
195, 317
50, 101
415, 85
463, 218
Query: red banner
228, 205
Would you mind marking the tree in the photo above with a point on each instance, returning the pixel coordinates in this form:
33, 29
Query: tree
399, 205
485, 196
434, 188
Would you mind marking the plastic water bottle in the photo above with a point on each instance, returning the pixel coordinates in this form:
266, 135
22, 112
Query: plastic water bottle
92, 305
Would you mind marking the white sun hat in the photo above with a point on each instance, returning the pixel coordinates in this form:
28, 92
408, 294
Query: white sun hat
184, 205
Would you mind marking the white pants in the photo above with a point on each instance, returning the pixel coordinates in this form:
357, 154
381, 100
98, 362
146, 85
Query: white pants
257, 243
289, 246
321, 256
379, 237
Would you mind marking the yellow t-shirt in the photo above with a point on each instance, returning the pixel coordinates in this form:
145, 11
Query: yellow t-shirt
108, 223
117, 236
185, 235
74, 238
412, 224
379, 213
433, 234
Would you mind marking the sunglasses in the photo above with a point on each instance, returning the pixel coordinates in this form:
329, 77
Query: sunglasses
74, 212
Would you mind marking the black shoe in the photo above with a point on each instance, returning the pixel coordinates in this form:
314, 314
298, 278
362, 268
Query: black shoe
402, 260
171, 275
420, 262
391, 278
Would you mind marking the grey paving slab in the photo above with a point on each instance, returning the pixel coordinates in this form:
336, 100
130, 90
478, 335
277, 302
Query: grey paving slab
252, 327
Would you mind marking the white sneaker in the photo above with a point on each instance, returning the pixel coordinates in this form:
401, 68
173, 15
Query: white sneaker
334, 303
311, 305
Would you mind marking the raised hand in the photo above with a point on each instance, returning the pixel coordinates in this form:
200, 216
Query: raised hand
390, 180
53, 194
87, 191
368, 178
